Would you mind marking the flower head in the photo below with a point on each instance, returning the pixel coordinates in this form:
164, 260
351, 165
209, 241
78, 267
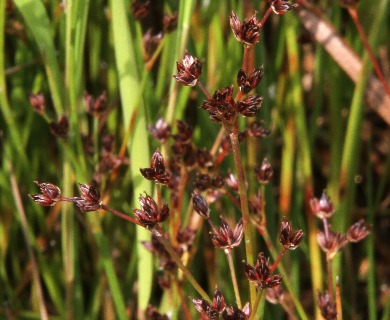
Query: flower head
50, 194
248, 83
157, 171
188, 71
221, 107
161, 131
200, 205
233, 313
260, 274
211, 311
264, 173
281, 6
331, 242
247, 32
289, 238
358, 231
89, 200
249, 105
226, 238
323, 207
150, 215
327, 306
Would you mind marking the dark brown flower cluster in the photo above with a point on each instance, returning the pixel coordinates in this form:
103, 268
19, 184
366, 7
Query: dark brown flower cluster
288, 237
247, 32
260, 274
264, 173
332, 242
150, 214
327, 306
248, 83
89, 200
60, 128
96, 106
189, 71
225, 238
51, 194
218, 308
157, 171
161, 131
223, 108
281, 6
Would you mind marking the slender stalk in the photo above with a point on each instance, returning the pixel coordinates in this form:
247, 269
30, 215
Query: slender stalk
243, 200
167, 245
120, 214
278, 259
355, 17
329, 272
234, 277
26, 233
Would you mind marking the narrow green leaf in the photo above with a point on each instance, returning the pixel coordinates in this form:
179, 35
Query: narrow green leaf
37, 21
133, 105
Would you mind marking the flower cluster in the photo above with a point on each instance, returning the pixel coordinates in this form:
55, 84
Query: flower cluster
219, 307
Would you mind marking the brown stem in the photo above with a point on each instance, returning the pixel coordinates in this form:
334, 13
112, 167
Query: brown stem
243, 198
204, 90
120, 214
278, 259
330, 275
355, 17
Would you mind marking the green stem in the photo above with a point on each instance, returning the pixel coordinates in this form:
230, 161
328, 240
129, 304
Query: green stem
255, 305
234, 278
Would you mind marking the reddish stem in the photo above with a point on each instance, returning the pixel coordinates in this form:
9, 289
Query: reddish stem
355, 17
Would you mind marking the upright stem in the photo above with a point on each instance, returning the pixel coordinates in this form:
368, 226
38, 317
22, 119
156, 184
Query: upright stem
338, 301
234, 278
330, 275
243, 200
